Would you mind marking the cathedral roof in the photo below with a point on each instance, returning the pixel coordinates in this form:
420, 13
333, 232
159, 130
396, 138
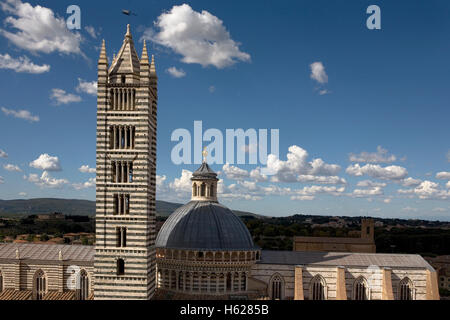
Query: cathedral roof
127, 60
204, 225
48, 252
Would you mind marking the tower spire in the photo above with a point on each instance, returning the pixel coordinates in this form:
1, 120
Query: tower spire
152, 66
103, 58
144, 53
128, 34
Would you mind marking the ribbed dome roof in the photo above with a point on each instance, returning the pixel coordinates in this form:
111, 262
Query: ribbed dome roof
204, 225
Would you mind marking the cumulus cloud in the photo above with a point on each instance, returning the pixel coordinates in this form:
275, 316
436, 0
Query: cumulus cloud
87, 169
12, 168
37, 29
439, 210
86, 185
199, 37
21, 65
443, 175
21, 114
86, 87
318, 72
410, 182
371, 184
23, 194
47, 163
427, 190
297, 165
309, 193
182, 184
409, 209
62, 97
176, 73
46, 181
378, 172
3, 154
381, 156
370, 192
234, 173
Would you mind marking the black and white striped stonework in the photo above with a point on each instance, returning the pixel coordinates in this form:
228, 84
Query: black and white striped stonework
125, 259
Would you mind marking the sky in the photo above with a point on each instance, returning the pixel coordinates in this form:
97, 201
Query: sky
363, 115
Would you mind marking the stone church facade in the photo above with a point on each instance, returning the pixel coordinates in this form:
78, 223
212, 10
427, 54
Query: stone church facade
203, 251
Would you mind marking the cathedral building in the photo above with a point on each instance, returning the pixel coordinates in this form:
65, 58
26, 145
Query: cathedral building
203, 251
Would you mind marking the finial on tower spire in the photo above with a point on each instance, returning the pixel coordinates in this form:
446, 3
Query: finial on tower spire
128, 34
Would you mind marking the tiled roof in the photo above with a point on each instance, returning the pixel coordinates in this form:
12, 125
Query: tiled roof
344, 259
11, 294
56, 295
48, 252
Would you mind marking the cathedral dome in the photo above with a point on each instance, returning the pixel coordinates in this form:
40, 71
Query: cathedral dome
204, 225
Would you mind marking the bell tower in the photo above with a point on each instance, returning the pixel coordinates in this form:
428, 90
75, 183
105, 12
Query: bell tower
126, 175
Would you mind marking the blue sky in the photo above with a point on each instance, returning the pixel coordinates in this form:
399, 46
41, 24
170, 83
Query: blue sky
375, 109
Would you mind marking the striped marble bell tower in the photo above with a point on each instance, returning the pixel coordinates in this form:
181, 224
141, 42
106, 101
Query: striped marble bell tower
126, 175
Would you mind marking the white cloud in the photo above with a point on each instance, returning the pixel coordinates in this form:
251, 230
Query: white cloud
23, 194
212, 89
297, 168
410, 182
371, 184
448, 185
378, 172
160, 180
199, 37
176, 73
62, 97
324, 92
46, 181
86, 185
21, 64
381, 156
47, 163
87, 87
182, 184
86, 169
234, 173
12, 168
370, 192
92, 32
3, 154
426, 190
21, 114
318, 72
439, 210
309, 193
257, 176
37, 29
443, 175
388, 200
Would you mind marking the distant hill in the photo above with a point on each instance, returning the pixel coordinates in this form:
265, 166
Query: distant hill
79, 207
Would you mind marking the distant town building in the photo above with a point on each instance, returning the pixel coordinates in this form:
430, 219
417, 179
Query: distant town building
51, 216
364, 244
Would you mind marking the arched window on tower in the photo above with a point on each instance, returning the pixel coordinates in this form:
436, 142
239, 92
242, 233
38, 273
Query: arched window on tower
406, 289
360, 289
40, 285
123, 79
194, 190
317, 288
203, 190
120, 267
83, 293
276, 287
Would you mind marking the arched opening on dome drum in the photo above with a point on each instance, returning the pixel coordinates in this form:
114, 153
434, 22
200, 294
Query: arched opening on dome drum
123, 79
194, 190
203, 190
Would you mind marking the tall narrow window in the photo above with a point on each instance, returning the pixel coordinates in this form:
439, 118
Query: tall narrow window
118, 237
406, 289
40, 285
84, 286
194, 190
317, 288
123, 79
203, 190
124, 237
277, 288
127, 204
130, 179
360, 289
229, 282
1, 281
120, 267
